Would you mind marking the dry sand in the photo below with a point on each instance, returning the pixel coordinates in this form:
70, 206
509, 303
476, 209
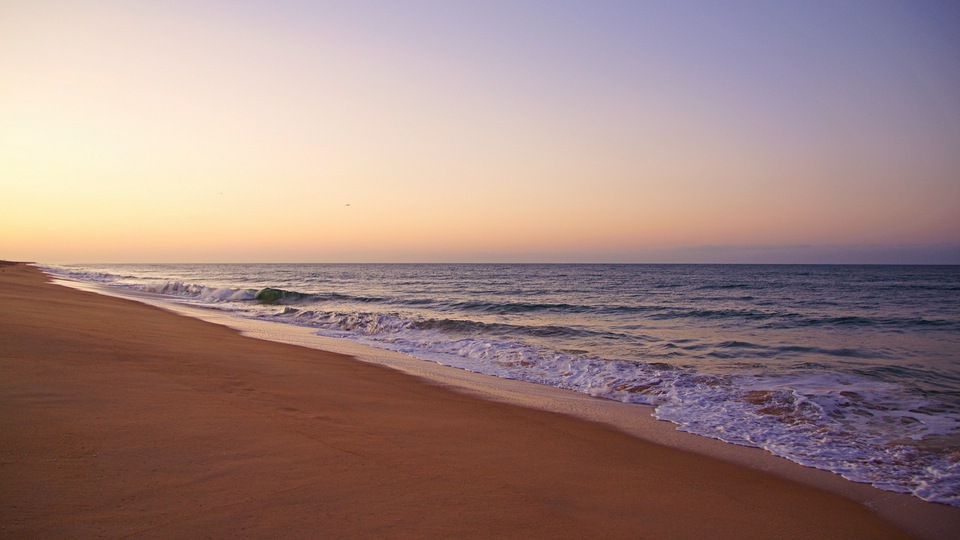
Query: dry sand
121, 419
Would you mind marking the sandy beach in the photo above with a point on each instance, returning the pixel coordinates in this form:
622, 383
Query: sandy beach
121, 419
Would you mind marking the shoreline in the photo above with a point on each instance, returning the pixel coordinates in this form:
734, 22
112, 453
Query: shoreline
932, 521
924, 518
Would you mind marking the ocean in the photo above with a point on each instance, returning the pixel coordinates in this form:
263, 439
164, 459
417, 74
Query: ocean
851, 369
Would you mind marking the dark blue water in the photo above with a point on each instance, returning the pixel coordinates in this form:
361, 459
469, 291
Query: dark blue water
854, 369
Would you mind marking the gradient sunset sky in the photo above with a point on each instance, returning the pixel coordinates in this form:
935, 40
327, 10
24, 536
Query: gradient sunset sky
396, 131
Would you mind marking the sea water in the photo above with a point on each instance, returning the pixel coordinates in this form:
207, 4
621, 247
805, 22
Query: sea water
851, 369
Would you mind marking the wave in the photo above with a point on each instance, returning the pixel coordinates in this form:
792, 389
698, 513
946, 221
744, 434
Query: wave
785, 320
270, 295
83, 275
516, 307
265, 295
767, 319
867, 322
201, 293
373, 323
725, 286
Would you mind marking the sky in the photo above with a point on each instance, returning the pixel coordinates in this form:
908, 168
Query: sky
487, 131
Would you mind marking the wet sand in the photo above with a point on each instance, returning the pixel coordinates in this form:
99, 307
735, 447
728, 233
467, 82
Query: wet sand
121, 419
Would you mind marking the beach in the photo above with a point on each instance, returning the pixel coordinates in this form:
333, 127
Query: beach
121, 419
